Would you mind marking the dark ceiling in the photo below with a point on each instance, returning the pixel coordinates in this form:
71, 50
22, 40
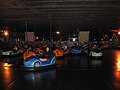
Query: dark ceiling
64, 14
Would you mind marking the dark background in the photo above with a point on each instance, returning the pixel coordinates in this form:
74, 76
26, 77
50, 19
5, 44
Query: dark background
42, 16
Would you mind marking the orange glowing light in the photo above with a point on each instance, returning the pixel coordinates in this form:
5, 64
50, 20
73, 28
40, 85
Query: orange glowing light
117, 54
57, 32
119, 33
7, 65
6, 68
118, 65
5, 33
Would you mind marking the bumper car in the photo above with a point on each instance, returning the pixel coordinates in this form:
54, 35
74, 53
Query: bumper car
66, 52
35, 62
9, 52
76, 50
28, 54
84, 49
65, 49
58, 52
95, 53
21, 50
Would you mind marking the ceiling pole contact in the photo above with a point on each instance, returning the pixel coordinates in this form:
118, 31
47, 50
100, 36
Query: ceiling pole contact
26, 27
69, 35
50, 28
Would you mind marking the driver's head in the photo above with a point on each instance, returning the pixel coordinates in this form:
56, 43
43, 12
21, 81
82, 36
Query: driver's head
47, 48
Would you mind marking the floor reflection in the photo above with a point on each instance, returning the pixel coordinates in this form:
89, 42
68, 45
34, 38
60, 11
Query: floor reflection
112, 73
117, 59
40, 80
79, 62
8, 75
96, 63
13, 61
116, 80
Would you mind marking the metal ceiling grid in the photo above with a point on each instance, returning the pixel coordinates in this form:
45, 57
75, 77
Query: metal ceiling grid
83, 13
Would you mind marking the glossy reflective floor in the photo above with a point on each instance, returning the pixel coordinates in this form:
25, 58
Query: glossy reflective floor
74, 72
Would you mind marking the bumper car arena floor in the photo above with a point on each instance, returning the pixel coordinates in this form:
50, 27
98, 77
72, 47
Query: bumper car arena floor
74, 72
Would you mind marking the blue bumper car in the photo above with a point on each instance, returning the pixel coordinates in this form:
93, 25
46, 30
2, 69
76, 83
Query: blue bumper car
35, 62
76, 50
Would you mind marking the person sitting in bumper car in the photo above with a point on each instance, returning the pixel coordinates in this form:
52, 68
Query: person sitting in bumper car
47, 55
